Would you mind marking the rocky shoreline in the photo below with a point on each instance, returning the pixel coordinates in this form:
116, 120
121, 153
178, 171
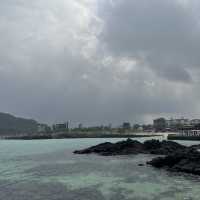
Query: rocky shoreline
175, 157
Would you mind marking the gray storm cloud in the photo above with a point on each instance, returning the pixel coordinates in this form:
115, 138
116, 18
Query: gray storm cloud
165, 34
99, 61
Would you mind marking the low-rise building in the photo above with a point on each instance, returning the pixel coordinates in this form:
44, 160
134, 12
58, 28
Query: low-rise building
195, 121
61, 127
159, 124
174, 122
126, 125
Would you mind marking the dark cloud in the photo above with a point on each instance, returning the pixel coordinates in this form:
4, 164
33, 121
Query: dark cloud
98, 61
165, 34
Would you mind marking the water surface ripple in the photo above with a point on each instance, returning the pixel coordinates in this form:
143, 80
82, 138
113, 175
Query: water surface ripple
48, 170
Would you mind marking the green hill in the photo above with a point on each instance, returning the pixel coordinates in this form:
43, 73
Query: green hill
10, 124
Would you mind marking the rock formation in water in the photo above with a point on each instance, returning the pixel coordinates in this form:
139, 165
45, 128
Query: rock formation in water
133, 147
187, 161
176, 157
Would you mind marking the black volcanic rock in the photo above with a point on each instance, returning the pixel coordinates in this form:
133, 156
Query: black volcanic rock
163, 147
133, 147
187, 161
176, 157
96, 149
120, 148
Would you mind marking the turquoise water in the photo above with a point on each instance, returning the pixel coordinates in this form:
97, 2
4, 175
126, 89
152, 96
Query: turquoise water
48, 170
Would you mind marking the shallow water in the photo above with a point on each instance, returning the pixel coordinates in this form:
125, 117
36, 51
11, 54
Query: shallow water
48, 170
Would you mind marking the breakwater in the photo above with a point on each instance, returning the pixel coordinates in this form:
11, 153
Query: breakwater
181, 137
74, 135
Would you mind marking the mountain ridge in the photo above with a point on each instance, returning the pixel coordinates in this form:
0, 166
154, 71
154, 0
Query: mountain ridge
10, 124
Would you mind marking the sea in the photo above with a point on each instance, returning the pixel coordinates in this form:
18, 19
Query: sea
48, 170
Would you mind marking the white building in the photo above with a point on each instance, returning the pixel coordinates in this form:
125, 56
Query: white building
195, 121
190, 133
173, 122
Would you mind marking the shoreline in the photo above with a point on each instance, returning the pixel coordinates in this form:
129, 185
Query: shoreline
77, 136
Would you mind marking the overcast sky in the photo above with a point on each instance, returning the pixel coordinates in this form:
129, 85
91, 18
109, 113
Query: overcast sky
100, 61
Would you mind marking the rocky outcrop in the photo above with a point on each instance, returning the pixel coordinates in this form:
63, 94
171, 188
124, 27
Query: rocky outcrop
187, 161
120, 148
133, 147
176, 157
162, 147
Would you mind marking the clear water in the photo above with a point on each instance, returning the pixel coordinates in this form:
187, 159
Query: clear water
48, 170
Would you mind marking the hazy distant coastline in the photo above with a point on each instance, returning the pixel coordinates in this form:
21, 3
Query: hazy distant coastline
12, 127
77, 135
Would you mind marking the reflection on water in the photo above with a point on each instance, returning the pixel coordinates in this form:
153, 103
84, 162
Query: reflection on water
47, 169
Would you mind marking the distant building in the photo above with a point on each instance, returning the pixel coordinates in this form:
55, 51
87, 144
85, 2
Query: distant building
174, 124
148, 128
195, 121
177, 124
191, 130
160, 124
126, 125
182, 121
80, 126
61, 127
